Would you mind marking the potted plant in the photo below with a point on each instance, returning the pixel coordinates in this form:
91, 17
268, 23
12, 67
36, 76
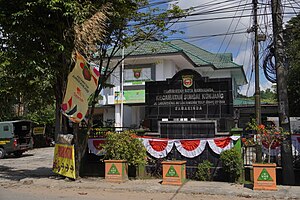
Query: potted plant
264, 174
122, 149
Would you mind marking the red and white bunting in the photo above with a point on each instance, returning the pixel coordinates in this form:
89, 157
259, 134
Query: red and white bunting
95, 146
190, 148
218, 145
158, 148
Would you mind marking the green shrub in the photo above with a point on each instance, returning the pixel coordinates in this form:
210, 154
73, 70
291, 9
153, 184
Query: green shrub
124, 146
232, 164
203, 171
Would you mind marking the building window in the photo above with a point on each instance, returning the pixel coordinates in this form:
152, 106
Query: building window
5, 128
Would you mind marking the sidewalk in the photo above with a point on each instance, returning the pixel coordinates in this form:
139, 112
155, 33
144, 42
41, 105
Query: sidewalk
34, 170
154, 186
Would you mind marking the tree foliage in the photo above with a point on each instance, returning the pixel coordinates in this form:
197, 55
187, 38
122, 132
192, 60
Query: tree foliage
268, 96
292, 46
130, 23
37, 39
125, 146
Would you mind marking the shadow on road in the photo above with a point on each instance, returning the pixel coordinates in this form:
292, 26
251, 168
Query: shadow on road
9, 173
249, 186
14, 157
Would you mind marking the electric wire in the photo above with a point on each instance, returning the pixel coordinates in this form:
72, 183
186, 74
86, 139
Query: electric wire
234, 31
292, 7
211, 8
225, 35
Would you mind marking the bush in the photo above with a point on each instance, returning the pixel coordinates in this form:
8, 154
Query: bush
203, 171
125, 146
232, 164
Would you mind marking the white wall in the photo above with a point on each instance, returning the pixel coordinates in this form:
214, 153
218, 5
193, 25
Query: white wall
165, 69
115, 77
159, 71
217, 74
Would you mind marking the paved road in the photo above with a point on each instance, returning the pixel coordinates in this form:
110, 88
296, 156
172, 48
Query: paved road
92, 194
30, 178
36, 163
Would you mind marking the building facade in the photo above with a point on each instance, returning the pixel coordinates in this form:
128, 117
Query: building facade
173, 82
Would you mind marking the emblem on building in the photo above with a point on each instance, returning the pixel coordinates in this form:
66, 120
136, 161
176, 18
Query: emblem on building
137, 73
187, 80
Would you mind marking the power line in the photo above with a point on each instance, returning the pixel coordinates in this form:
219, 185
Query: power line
222, 18
213, 35
234, 30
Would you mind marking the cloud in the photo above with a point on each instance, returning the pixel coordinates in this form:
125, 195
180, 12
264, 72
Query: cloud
244, 57
210, 10
247, 90
240, 45
265, 85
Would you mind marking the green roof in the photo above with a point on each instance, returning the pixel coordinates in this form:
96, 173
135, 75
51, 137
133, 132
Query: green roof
220, 61
199, 56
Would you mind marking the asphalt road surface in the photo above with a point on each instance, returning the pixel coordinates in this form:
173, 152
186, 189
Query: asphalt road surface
30, 177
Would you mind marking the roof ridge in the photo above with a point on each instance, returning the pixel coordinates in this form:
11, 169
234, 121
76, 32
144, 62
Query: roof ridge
194, 46
218, 55
189, 51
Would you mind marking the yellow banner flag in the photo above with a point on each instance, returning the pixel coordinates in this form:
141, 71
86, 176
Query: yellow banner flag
64, 160
82, 82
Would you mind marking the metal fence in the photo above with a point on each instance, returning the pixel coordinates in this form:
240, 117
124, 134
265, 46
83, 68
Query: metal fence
249, 156
249, 153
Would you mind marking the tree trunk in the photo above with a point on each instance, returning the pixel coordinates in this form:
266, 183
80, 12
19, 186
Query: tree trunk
81, 136
80, 145
258, 149
60, 87
269, 156
58, 102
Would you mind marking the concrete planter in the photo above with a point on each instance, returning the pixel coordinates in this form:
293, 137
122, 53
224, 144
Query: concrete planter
264, 176
174, 172
116, 170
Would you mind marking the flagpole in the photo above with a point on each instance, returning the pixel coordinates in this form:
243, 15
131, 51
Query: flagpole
122, 89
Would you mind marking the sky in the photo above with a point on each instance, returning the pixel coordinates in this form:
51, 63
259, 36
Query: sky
224, 17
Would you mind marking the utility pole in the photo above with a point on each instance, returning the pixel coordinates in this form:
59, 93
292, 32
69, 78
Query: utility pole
257, 88
288, 177
256, 66
122, 89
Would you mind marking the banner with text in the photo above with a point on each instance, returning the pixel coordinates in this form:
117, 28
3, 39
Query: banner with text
82, 82
64, 160
130, 96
